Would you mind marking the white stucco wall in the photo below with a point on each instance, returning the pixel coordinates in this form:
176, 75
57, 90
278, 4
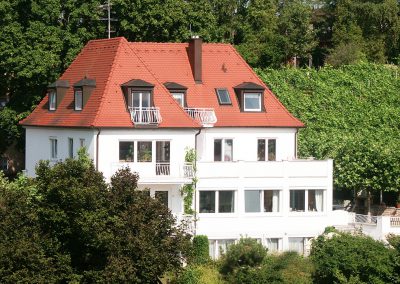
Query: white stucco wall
38, 144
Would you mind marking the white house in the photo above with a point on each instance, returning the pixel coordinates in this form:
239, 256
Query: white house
143, 105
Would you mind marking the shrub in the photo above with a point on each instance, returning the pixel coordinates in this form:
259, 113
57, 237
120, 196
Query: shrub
200, 250
202, 274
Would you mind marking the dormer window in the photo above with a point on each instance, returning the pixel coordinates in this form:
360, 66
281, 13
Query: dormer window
223, 97
250, 96
78, 98
52, 99
177, 91
140, 99
252, 101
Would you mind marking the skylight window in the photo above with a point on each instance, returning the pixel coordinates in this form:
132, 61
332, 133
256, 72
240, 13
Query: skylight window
223, 97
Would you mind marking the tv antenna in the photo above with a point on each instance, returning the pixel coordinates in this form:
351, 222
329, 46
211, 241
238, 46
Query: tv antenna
108, 19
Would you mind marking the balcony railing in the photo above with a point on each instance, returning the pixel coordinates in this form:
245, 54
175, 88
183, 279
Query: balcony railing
145, 115
395, 221
163, 169
188, 171
206, 116
363, 219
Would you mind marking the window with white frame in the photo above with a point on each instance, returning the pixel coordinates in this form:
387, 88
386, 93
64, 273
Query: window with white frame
53, 148
52, 100
303, 200
217, 248
144, 149
82, 142
252, 101
223, 150
266, 149
272, 244
179, 97
71, 148
261, 201
78, 96
141, 99
217, 201
126, 151
298, 244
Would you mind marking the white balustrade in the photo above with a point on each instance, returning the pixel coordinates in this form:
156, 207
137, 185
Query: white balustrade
206, 116
145, 115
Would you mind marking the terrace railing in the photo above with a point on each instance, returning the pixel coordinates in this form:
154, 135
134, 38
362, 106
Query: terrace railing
206, 116
145, 115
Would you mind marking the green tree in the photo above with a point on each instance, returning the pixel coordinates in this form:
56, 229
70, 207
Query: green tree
345, 258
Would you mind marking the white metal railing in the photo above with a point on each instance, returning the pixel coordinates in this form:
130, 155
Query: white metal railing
188, 171
395, 221
145, 115
206, 116
163, 169
363, 219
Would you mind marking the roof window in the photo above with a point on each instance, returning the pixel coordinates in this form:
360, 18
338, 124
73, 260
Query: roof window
250, 96
223, 96
56, 92
82, 92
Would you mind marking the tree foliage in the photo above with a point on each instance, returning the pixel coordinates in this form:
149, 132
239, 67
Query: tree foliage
352, 116
345, 258
69, 225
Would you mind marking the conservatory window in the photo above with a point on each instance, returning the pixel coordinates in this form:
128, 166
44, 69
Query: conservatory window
261, 201
144, 151
214, 201
126, 151
223, 150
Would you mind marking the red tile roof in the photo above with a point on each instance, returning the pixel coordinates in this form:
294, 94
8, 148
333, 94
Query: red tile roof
112, 62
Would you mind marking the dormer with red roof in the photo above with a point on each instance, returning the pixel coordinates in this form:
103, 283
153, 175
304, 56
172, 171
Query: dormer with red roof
144, 105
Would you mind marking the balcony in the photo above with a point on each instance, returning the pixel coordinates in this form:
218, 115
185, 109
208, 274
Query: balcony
145, 115
158, 173
206, 116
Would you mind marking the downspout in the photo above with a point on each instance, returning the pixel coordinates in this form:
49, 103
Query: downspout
97, 148
195, 193
295, 143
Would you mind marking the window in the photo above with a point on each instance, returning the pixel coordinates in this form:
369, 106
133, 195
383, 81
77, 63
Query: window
297, 245
252, 102
53, 148
223, 150
270, 150
272, 244
3, 163
144, 151
163, 157
261, 201
126, 151
311, 199
217, 248
162, 196
223, 97
71, 148
82, 142
141, 99
52, 100
217, 201
78, 99
180, 98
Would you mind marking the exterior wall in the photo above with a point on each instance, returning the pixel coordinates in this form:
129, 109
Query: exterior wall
38, 144
245, 142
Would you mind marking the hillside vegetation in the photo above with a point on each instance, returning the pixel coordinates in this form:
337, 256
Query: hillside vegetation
352, 115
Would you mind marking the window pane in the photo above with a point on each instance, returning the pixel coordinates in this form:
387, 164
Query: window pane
217, 150
261, 150
207, 201
297, 200
223, 97
136, 99
315, 200
53, 148
179, 97
146, 99
252, 101
296, 244
71, 148
271, 200
226, 201
126, 151
223, 246
162, 151
228, 151
252, 200
144, 151
271, 150
211, 248
162, 196
78, 100
52, 100
273, 244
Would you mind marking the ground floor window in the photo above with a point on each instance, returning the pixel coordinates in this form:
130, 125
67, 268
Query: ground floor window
217, 201
126, 151
272, 244
53, 148
217, 248
261, 201
162, 196
298, 245
310, 200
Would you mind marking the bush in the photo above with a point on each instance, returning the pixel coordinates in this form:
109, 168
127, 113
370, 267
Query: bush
247, 252
203, 274
200, 250
345, 258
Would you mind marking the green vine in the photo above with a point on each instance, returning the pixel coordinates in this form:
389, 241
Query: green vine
187, 191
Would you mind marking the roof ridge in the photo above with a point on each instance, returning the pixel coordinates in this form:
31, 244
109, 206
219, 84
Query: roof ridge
120, 41
266, 87
161, 84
